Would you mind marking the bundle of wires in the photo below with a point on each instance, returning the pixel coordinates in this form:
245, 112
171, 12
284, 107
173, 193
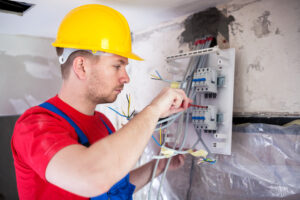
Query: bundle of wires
158, 77
186, 84
129, 115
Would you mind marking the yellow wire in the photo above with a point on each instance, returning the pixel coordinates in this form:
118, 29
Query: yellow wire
153, 76
160, 135
128, 104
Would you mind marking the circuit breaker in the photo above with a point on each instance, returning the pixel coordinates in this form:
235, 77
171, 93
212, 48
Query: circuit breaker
205, 119
205, 128
205, 80
211, 86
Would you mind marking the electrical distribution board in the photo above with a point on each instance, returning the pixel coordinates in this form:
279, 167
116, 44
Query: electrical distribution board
205, 128
211, 87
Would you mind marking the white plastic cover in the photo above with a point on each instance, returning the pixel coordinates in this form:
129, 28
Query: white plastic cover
265, 164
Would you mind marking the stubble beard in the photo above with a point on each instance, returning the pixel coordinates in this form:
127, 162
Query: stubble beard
97, 97
95, 92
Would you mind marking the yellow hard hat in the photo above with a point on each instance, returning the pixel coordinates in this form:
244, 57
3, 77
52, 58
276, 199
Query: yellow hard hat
97, 28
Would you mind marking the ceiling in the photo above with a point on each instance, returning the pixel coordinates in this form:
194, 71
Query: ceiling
44, 18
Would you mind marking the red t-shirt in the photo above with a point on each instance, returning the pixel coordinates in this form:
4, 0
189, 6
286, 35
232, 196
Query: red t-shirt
38, 135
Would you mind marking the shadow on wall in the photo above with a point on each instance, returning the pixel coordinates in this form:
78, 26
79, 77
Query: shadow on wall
8, 187
26, 81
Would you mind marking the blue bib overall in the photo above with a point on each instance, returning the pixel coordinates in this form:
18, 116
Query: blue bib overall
123, 189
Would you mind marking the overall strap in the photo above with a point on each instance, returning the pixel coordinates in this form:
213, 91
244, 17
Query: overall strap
123, 189
107, 127
82, 137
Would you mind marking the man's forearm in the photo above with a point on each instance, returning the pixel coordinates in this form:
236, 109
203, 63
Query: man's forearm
92, 171
142, 175
123, 148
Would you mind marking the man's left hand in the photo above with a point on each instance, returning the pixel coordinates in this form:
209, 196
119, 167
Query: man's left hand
176, 162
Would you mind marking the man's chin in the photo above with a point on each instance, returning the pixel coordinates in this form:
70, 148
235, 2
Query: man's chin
110, 99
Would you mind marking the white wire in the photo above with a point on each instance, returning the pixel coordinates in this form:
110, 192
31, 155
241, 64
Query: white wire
169, 160
171, 119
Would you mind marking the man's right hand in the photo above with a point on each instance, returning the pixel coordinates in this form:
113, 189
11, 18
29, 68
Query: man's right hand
170, 101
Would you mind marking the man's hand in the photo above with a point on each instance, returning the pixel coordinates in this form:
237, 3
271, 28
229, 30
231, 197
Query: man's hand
170, 101
176, 162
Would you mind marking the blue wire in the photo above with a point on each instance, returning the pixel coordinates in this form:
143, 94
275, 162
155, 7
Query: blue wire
210, 162
158, 74
128, 119
156, 141
118, 112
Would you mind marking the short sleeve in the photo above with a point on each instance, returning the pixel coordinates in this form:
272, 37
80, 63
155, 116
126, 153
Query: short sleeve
38, 137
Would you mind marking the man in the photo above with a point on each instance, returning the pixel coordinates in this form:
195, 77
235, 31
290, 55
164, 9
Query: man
63, 149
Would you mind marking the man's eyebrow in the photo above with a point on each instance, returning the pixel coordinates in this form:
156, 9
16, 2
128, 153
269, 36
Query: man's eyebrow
123, 62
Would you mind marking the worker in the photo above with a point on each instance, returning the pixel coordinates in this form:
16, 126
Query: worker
63, 148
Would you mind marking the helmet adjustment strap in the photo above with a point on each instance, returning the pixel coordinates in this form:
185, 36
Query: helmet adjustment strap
68, 51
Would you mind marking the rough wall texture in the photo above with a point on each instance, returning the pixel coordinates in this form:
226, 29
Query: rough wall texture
29, 74
266, 35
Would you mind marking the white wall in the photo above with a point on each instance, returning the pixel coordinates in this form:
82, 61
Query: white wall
30, 72
266, 35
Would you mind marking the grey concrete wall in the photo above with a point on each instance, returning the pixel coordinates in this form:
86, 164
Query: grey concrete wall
30, 72
266, 35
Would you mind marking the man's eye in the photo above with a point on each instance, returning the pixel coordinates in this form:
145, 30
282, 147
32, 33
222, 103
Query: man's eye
117, 66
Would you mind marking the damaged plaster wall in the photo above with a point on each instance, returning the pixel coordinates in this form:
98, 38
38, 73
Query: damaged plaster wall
30, 72
266, 35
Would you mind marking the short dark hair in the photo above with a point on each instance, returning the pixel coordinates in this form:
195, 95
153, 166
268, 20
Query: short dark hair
66, 67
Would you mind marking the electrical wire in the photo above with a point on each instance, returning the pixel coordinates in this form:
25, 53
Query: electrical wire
187, 120
118, 113
160, 136
169, 160
128, 117
170, 122
188, 195
156, 141
128, 100
194, 63
183, 142
159, 78
201, 140
186, 76
175, 116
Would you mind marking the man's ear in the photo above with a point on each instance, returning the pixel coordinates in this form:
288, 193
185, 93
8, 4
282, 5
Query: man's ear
79, 67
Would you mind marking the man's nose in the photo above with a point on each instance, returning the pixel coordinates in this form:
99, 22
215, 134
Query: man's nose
124, 77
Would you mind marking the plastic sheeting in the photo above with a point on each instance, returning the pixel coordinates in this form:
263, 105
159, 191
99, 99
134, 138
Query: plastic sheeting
265, 164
